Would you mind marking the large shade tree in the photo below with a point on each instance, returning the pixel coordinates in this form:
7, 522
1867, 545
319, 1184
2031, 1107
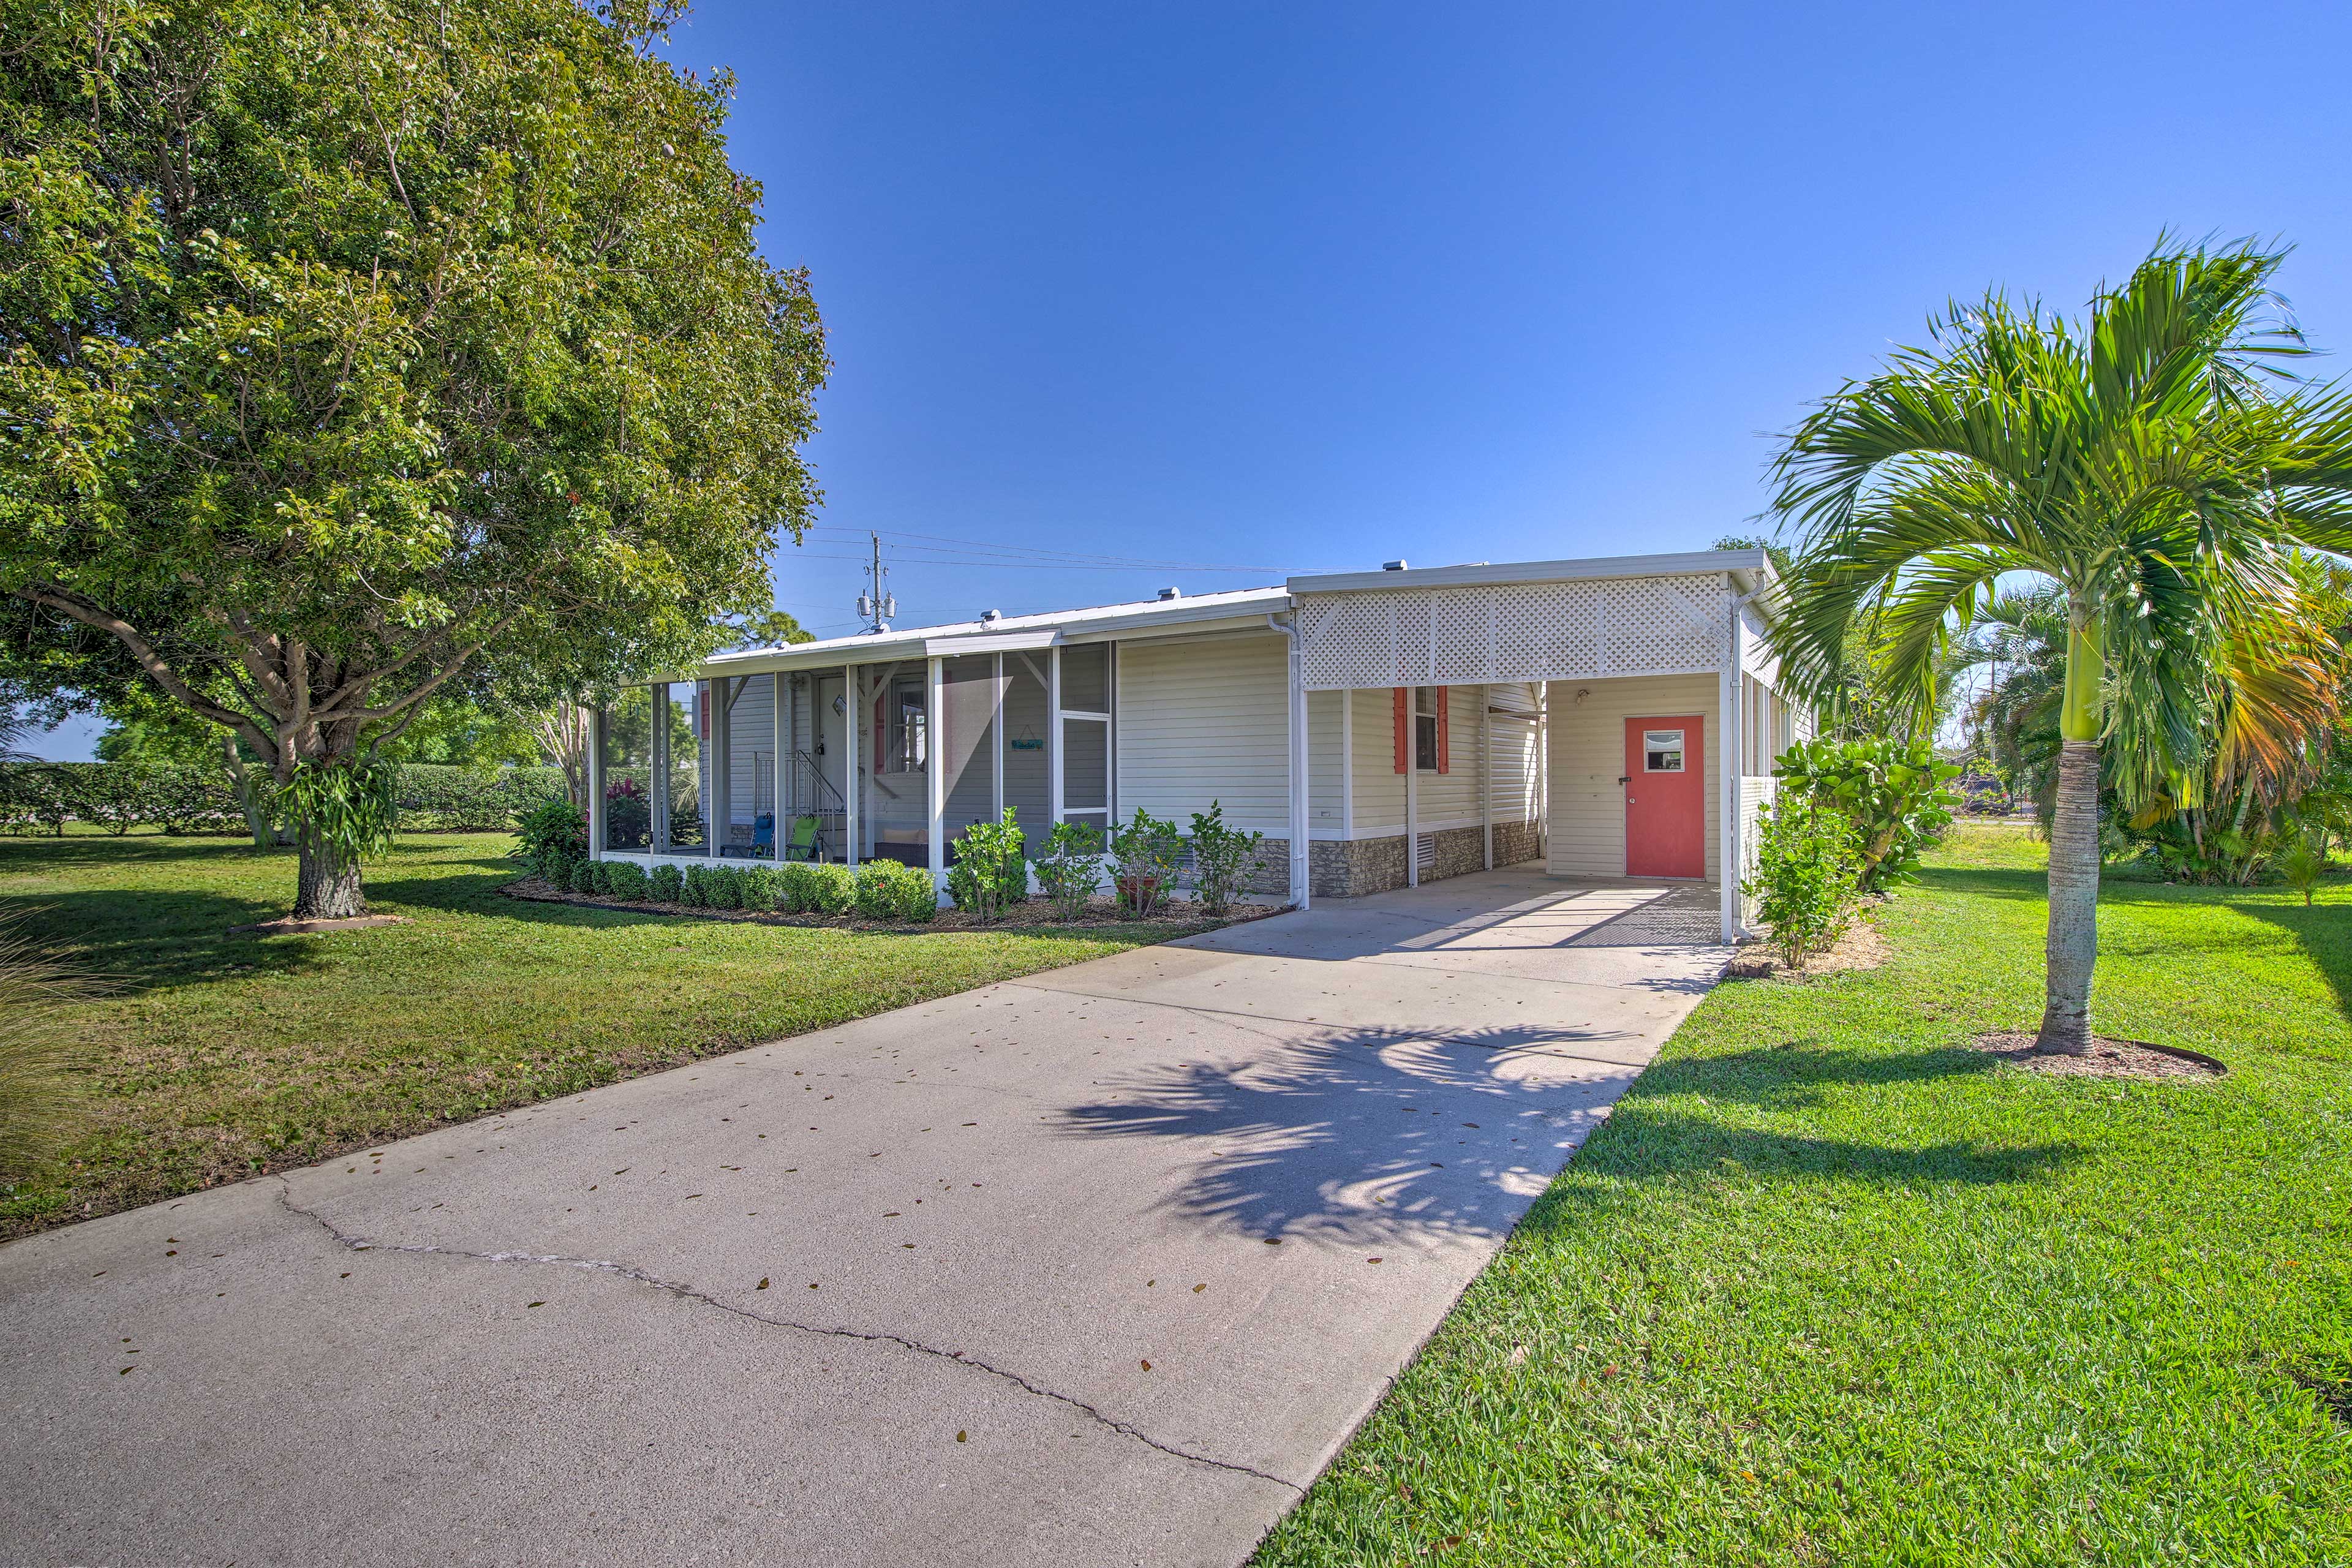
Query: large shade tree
2159, 462
358, 354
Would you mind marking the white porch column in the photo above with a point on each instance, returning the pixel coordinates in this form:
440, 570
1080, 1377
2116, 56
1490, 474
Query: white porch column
853, 747
1729, 738
718, 763
658, 840
596, 782
996, 738
787, 721
1413, 786
1054, 735
935, 766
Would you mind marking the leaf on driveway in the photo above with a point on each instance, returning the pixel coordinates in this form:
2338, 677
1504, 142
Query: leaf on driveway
762, 1284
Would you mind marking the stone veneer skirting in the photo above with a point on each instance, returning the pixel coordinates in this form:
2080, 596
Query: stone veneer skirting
1347, 868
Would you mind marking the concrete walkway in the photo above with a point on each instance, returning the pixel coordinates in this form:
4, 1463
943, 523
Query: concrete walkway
1097, 1267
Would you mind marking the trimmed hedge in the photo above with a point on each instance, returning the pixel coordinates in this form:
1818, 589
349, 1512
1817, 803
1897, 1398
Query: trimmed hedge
877, 890
438, 797
118, 796
806, 889
432, 798
887, 890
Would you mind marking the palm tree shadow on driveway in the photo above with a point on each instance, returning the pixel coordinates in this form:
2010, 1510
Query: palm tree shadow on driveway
1372, 1136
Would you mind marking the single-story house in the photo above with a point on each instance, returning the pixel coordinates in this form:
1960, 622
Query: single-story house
1613, 718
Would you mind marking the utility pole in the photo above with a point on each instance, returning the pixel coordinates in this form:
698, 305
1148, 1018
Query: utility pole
877, 607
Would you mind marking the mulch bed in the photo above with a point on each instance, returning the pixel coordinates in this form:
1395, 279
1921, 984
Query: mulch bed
1860, 948
287, 925
2107, 1059
1176, 918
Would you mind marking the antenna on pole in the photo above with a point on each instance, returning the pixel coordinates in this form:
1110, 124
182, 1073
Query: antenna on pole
877, 607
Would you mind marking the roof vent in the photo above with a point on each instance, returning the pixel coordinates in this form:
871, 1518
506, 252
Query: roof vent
989, 616
1166, 594
1391, 565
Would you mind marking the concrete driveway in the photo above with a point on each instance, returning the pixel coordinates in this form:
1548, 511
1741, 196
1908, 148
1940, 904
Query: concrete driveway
1097, 1267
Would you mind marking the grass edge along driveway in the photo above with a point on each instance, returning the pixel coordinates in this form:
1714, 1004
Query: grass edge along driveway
214, 1058
1832, 1288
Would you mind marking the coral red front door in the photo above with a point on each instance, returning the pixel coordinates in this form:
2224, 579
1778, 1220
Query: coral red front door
1665, 798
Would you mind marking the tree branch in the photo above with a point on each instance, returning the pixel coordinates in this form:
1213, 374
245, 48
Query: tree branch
93, 614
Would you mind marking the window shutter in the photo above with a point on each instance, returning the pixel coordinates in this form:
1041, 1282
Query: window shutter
881, 728
1401, 706
1443, 759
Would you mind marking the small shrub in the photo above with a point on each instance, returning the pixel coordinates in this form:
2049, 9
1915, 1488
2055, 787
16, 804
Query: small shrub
554, 839
693, 888
1070, 868
599, 877
830, 889
990, 873
722, 888
887, 891
1891, 790
626, 877
628, 818
1806, 874
2301, 866
666, 885
1221, 858
1144, 853
582, 877
760, 887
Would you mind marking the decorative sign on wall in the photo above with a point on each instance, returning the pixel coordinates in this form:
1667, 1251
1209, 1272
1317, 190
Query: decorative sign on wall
1027, 741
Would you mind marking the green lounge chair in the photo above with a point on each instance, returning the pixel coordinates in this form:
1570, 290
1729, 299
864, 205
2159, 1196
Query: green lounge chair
804, 844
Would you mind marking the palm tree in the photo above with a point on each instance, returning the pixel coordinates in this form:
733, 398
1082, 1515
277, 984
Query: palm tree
2160, 463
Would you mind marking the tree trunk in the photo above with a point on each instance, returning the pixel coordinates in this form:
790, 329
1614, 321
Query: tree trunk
327, 886
248, 797
2073, 941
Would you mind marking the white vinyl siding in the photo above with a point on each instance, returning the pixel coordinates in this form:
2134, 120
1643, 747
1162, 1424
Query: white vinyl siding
1380, 788
1587, 755
1326, 776
1514, 760
1206, 719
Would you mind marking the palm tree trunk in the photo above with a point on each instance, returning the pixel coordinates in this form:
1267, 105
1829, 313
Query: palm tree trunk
2072, 947
2074, 939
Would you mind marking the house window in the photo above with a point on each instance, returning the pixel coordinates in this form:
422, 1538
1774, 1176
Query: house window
1661, 751
910, 745
1425, 728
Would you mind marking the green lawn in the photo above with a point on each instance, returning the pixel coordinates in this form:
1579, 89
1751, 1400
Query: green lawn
1831, 1287
218, 1055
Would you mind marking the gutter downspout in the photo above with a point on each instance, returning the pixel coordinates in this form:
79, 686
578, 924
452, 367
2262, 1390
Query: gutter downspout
1301, 848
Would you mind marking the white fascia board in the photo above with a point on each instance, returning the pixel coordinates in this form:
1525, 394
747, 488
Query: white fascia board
1741, 563
1096, 623
1005, 642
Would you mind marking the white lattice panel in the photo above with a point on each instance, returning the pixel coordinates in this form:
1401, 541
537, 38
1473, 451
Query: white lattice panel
1570, 630
1411, 656
1462, 635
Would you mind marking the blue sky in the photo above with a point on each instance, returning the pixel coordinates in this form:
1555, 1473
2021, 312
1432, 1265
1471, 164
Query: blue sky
1313, 286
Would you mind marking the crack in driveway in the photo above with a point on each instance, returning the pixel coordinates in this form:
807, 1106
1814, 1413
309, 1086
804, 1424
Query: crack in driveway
689, 1293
